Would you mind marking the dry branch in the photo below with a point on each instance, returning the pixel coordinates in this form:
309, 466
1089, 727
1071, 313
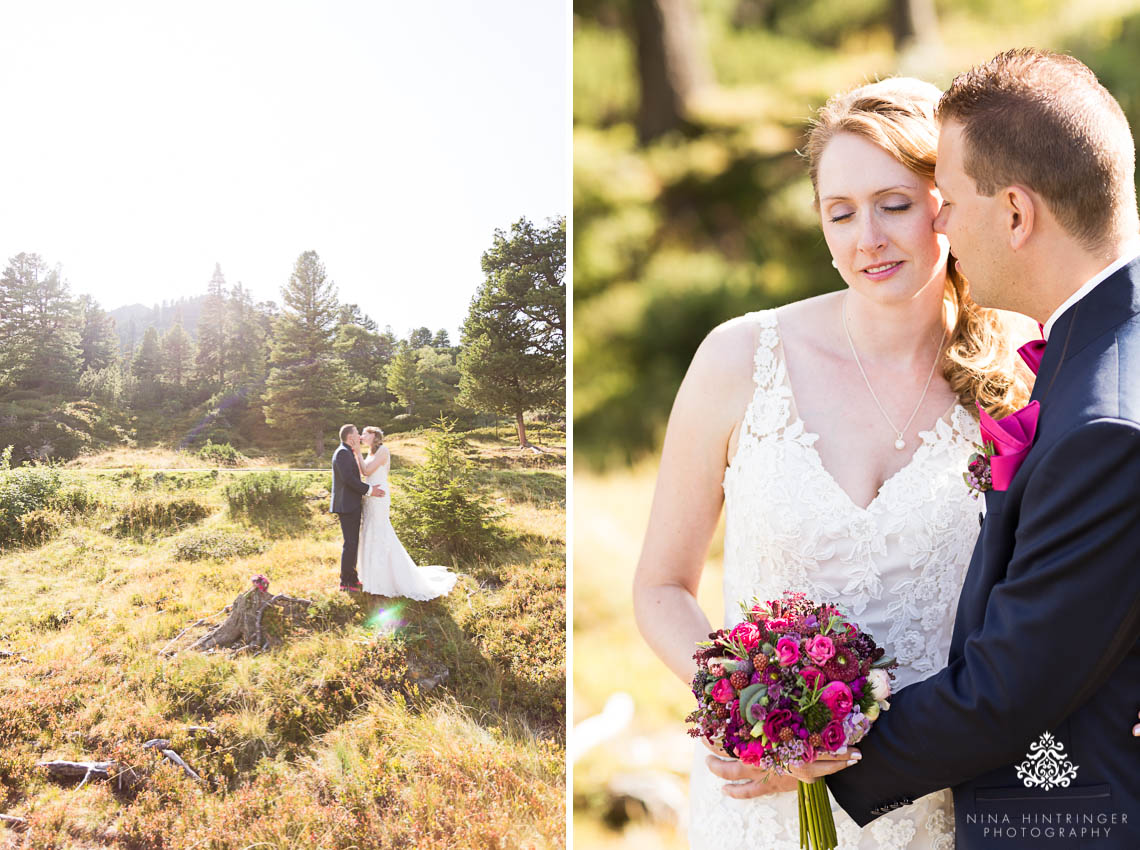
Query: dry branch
13, 821
4, 653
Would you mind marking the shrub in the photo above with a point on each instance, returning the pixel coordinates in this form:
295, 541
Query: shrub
22, 490
218, 545
140, 516
222, 454
39, 526
259, 493
445, 516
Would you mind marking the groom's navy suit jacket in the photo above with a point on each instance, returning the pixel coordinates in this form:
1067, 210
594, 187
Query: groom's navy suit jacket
1047, 632
347, 488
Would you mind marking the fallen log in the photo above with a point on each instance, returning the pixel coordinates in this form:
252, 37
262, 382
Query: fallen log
13, 821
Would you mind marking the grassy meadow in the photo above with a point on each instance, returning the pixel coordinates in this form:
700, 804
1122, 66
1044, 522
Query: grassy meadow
325, 740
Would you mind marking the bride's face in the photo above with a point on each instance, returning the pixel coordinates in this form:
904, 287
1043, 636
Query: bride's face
878, 220
367, 438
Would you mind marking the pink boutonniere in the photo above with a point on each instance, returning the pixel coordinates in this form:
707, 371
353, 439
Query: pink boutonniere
1005, 443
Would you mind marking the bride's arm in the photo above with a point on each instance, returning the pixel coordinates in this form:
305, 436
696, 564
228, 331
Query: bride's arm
375, 460
688, 496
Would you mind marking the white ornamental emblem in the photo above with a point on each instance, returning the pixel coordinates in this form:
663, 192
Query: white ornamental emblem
1046, 766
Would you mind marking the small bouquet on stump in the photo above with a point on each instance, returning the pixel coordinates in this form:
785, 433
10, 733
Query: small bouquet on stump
792, 680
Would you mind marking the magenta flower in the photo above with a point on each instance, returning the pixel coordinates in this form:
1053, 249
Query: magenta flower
723, 692
821, 649
751, 753
837, 697
787, 651
746, 633
775, 721
814, 677
260, 582
833, 736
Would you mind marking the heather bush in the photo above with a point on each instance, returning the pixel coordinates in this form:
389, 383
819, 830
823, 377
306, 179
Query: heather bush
141, 516
22, 490
222, 454
258, 494
216, 545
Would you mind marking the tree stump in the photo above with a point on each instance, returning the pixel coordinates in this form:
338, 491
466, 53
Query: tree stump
244, 627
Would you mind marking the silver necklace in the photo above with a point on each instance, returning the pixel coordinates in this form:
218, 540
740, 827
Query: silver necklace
900, 443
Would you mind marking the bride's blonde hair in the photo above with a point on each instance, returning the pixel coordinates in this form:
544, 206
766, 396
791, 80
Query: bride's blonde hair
897, 115
372, 429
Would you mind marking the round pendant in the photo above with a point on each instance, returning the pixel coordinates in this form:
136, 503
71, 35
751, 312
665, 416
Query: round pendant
899, 444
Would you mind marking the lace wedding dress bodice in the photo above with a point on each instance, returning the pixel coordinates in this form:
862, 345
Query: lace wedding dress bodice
897, 567
384, 566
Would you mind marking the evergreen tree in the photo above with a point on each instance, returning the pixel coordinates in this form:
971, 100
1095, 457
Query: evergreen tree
247, 343
419, 338
403, 379
441, 339
177, 353
359, 350
39, 329
212, 357
305, 387
98, 342
147, 363
439, 381
514, 345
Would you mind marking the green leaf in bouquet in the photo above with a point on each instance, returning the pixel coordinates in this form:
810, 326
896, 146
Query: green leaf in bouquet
749, 696
885, 661
709, 687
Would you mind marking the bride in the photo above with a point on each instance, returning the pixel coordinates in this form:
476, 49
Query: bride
836, 430
385, 568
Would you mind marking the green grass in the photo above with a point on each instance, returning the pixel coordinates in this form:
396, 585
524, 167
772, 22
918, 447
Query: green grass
324, 741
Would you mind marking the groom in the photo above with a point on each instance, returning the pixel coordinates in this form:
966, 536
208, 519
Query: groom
1028, 723
347, 491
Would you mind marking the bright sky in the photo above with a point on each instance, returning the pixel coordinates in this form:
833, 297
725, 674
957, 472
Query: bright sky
143, 142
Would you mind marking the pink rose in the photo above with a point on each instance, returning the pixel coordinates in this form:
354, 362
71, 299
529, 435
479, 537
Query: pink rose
833, 736
837, 697
723, 692
787, 651
821, 649
746, 633
750, 753
814, 677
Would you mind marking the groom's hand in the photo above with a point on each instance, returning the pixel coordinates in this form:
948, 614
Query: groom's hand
376, 491
759, 782
1136, 730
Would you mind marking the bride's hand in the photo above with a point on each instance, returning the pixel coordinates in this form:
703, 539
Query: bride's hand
1136, 730
760, 782
826, 764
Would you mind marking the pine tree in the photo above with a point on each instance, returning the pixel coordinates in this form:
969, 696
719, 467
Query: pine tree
147, 363
247, 348
98, 343
177, 353
403, 379
212, 358
419, 338
514, 343
441, 339
305, 387
39, 328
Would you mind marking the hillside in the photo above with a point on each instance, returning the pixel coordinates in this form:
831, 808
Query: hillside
368, 722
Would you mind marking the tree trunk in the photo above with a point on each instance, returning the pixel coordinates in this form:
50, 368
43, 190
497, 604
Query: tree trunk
671, 64
520, 427
320, 442
913, 22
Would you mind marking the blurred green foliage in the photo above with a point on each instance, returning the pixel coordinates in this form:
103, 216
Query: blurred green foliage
712, 222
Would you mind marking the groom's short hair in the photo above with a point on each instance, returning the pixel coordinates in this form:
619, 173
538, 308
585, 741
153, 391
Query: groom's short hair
345, 430
1043, 120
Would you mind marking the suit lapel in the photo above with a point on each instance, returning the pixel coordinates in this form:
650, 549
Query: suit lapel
1110, 304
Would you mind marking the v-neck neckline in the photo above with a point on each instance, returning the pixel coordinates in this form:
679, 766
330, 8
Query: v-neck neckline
813, 437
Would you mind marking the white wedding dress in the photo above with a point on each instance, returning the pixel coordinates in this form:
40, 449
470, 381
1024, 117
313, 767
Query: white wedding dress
897, 567
383, 565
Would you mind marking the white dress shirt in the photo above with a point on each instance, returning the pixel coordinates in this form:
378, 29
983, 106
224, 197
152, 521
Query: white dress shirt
1129, 253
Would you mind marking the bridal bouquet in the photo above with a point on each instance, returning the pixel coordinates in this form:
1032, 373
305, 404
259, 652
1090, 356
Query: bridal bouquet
792, 680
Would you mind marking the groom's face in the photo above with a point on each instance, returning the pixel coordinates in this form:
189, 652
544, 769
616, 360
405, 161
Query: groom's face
971, 221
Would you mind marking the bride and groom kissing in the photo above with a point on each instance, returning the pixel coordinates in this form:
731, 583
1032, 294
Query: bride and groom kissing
372, 558
1018, 641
